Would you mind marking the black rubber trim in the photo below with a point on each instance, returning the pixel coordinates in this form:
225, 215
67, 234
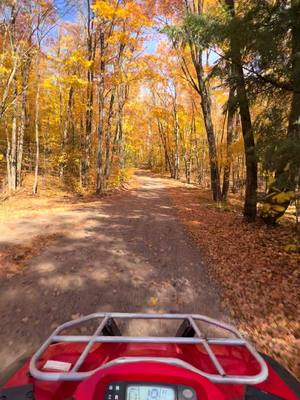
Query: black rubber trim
185, 329
111, 328
13, 368
288, 378
253, 393
24, 392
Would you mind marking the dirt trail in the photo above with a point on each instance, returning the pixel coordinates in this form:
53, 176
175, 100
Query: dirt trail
127, 254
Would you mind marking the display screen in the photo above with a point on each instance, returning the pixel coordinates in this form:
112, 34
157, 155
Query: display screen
150, 393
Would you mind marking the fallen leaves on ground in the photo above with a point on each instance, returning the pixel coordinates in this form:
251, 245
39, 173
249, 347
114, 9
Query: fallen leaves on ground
14, 257
52, 201
260, 282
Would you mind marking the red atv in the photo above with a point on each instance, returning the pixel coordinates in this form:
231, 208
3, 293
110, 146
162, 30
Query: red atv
188, 366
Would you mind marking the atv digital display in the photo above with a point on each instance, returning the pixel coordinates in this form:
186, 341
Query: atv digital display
141, 392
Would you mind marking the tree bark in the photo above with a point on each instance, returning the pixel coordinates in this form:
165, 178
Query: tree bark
37, 130
23, 119
205, 96
99, 181
213, 157
14, 54
250, 206
124, 93
282, 191
294, 119
230, 130
176, 132
108, 144
65, 136
8, 155
90, 94
14, 142
165, 146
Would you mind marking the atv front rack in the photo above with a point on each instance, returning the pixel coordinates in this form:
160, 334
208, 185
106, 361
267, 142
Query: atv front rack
189, 333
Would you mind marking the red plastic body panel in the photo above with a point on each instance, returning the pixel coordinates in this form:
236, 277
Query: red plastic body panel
234, 361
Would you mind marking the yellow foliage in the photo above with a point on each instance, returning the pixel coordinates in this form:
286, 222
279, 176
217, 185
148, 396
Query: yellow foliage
3, 70
153, 301
104, 10
73, 80
123, 13
78, 58
283, 197
273, 210
291, 248
131, 12
266, 208
48, 83
119, 37
279, 209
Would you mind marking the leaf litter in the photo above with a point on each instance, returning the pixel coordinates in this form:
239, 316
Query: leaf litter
259, 281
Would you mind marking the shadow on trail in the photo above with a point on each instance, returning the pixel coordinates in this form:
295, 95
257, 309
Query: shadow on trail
129, 255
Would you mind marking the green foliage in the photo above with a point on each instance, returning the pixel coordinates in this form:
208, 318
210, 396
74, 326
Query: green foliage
277, 152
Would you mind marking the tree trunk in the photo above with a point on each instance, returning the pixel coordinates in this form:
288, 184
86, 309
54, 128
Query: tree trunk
189, 155
124, 93
121, 143
207, 115
90, 95
294, 119
250, 206
23, 120
13, 152
203, 91
37, 131
14, 54
108, 144
213, 157
164, 143
176, 131
8, 159
99, 181
230, 130
65, 136
282, 191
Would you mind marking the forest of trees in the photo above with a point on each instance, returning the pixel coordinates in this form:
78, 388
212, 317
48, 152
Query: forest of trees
218, 103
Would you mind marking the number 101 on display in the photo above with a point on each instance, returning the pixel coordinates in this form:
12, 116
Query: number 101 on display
150, 393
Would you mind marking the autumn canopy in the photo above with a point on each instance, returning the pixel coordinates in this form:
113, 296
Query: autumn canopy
91, 88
